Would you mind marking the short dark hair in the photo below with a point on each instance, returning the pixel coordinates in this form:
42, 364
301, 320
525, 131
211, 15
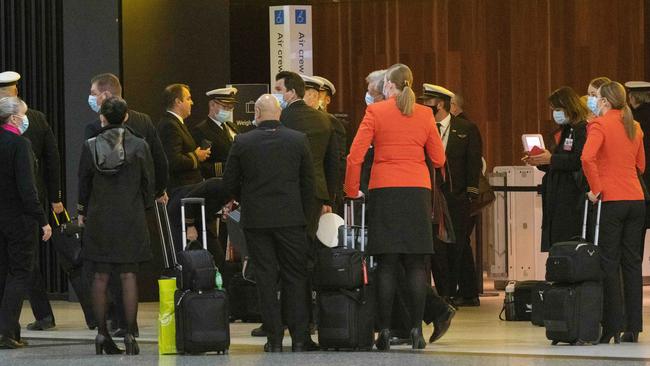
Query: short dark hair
114, 110
292, 81
108, 82
173, 92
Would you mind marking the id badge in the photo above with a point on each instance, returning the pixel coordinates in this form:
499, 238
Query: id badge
568, 144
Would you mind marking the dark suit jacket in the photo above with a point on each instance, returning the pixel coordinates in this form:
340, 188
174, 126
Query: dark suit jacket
322, 142
341, 141
179, 147
269, 170
48, 163
17, 184
140, 124
463, 157
221, 143
642, 115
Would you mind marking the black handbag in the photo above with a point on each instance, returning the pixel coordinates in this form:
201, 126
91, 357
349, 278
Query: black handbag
66, 237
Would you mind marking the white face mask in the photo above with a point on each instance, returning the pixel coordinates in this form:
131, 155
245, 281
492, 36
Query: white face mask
369, 99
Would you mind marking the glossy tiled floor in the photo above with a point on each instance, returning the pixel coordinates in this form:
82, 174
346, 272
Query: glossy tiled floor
477, 337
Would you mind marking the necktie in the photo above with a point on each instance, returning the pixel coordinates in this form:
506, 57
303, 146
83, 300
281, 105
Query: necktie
439, 128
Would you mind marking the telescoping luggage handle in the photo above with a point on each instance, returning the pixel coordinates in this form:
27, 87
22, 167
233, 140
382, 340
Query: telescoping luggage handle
193, 200
169, 239
584, 221
348, 218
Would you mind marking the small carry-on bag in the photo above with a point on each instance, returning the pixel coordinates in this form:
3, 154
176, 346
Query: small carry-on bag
537, 316
578, 260
572, 312
201, 305
518, 304
347, 315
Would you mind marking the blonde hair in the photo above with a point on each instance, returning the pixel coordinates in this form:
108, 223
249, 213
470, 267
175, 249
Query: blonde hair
614, 92
600, 81
402, 77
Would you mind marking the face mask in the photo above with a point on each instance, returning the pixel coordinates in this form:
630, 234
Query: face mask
23, 125
254, 122
92, 102
559, 117
369, 99
224, 116
280, 98
592, 104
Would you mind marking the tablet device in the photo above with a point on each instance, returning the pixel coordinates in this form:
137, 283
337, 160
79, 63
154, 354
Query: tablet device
530, 140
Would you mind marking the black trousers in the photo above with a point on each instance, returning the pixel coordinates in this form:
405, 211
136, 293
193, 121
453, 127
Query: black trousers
37, 294
621, 234
18, 239
453, 264
281, 254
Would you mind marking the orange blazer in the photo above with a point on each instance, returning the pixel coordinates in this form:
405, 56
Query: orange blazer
400, 142
610, 160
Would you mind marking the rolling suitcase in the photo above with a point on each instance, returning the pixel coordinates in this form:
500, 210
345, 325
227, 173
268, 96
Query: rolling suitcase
578, 260
346, 316
201, 305
572, 312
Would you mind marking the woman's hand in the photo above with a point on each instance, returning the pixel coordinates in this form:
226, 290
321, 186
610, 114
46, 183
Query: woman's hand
192, 233
80, 220
47, 232
543, 158
593, 197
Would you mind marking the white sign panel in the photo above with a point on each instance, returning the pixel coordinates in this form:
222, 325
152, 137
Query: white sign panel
290, 39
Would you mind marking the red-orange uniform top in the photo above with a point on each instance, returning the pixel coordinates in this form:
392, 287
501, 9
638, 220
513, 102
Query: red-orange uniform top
610, 159
400, 142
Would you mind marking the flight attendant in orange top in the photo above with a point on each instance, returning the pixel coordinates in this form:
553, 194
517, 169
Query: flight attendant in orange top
399, 206
612, 158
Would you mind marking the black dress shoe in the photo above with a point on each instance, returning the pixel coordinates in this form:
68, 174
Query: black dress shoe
466, 302
397, 341
10, 343
383, 340
417, 340
308, 346
449, 301
607, 337
105, 344
442, 323
631, 337
273, 348
131, 345
259, 332
122, 332
42, 324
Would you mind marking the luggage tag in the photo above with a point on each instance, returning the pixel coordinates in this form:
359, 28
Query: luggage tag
568, 144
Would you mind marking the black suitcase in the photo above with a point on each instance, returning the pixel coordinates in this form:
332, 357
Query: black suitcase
244, 300
339, 267
202, 321
196, 269
346, 319
578, 260
346, 316
537, 316
572, 312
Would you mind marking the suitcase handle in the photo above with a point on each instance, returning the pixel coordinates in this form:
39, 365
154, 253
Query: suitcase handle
163, 241
584, 221
194, 200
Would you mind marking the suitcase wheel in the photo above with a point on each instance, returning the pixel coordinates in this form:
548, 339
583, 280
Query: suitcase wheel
554, 343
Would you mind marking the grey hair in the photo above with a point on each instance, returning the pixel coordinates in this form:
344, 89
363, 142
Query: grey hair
10, 106
377, 77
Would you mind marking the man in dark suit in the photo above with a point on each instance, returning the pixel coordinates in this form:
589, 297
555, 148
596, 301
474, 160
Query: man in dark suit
48, 184
182, 153
462, 143
297, 115
217, 131
102, 87
269, 170
21, 215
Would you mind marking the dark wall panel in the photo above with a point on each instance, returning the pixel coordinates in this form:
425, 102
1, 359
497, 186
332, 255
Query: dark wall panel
174, 41
91, 45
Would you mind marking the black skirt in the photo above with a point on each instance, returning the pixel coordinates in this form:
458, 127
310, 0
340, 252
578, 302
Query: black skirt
399, 221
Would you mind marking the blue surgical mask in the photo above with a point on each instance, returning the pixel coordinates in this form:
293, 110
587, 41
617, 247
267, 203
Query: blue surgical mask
560, 117
369, 99
592, 104
280, 98
92, 102
24, 125
224, 116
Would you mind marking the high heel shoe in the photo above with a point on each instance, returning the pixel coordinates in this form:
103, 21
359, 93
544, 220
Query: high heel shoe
607, 337
131, 345
105, 344
383, 340
632, 337
417, 339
